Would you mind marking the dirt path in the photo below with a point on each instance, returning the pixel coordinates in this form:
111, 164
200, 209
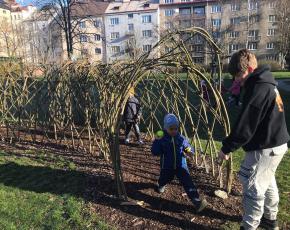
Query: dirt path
171, 210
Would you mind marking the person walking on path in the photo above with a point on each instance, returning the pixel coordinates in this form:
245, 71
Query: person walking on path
172, 148
262, 132
132, 114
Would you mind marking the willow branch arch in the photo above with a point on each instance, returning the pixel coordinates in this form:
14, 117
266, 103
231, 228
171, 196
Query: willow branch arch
160, 73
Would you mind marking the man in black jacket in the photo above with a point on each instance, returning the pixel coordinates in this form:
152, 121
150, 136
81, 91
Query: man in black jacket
262, 132
132, 114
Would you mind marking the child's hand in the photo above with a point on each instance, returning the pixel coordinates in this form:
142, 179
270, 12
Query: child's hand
159, 134
187, 151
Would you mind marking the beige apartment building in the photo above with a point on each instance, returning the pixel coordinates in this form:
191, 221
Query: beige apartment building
234, 24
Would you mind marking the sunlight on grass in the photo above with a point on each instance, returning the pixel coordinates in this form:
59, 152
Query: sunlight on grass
38, 196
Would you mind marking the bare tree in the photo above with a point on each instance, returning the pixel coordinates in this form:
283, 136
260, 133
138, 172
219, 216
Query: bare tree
283, 27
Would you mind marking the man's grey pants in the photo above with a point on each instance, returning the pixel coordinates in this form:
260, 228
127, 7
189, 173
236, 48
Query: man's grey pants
260, 191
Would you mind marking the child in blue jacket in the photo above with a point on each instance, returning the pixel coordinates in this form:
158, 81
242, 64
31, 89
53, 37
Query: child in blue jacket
172, 149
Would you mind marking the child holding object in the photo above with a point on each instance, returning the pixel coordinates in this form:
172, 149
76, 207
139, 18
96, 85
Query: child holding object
172, 148
132, 114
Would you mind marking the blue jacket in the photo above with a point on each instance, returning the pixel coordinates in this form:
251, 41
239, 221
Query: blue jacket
171, 151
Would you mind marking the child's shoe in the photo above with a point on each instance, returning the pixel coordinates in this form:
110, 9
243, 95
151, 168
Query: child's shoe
140, 142
202, 205
127, 141
161, 189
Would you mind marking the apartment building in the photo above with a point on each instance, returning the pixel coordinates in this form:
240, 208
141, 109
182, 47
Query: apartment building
131, 28
12, 32
245, 24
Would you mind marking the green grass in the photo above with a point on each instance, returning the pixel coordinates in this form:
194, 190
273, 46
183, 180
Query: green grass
35, 194
277, 75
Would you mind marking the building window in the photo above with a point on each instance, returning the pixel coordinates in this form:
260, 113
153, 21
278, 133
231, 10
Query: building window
4, 11
270, 57
115, 35
98, 50
233, 47
131, 27
253, 5
115, 49
199, 60
185, 0
216, 22
147, 33
185, 23
272, 18
83, 38
168, 1
97, 37
184, 11
130, 15
114, 21
146, 18
197, 48
234, 34
270, 45
82, 25
254, 19
168, 25
235, 21
272, 5
147, 48
252, 45
84, 52
216, 9
199, 10
271, 32
169, 12
253, 33
216, 34
97, 23
235, 7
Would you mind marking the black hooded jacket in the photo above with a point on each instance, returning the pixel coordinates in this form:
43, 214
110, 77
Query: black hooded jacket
132, 110
261, 123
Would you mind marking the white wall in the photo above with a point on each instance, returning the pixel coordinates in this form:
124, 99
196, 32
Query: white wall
123, 30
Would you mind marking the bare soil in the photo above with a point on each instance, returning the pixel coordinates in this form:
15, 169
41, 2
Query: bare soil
146, 209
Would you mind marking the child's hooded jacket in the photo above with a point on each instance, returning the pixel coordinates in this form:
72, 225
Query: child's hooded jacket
171, 151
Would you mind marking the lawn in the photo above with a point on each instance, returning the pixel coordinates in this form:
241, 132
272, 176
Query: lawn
43, 194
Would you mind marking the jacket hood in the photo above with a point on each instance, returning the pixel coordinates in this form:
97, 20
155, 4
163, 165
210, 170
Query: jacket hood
261, 75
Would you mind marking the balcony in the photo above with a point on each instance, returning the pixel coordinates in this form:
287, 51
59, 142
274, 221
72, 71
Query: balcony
191, 16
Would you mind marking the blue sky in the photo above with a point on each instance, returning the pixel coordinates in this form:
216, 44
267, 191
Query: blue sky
24, 2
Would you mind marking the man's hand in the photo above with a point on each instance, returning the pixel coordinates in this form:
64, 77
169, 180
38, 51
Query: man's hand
222, 157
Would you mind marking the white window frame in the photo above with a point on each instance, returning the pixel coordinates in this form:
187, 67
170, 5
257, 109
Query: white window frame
271, 32
114, 21
115, 49
146, 33
216, 9
147, 47
272, 18
270, 46
115, 35
252, 46
147, 18
169, 12
213, 21
235, 7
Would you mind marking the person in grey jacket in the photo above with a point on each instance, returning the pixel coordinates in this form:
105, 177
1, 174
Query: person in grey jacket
132, 114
